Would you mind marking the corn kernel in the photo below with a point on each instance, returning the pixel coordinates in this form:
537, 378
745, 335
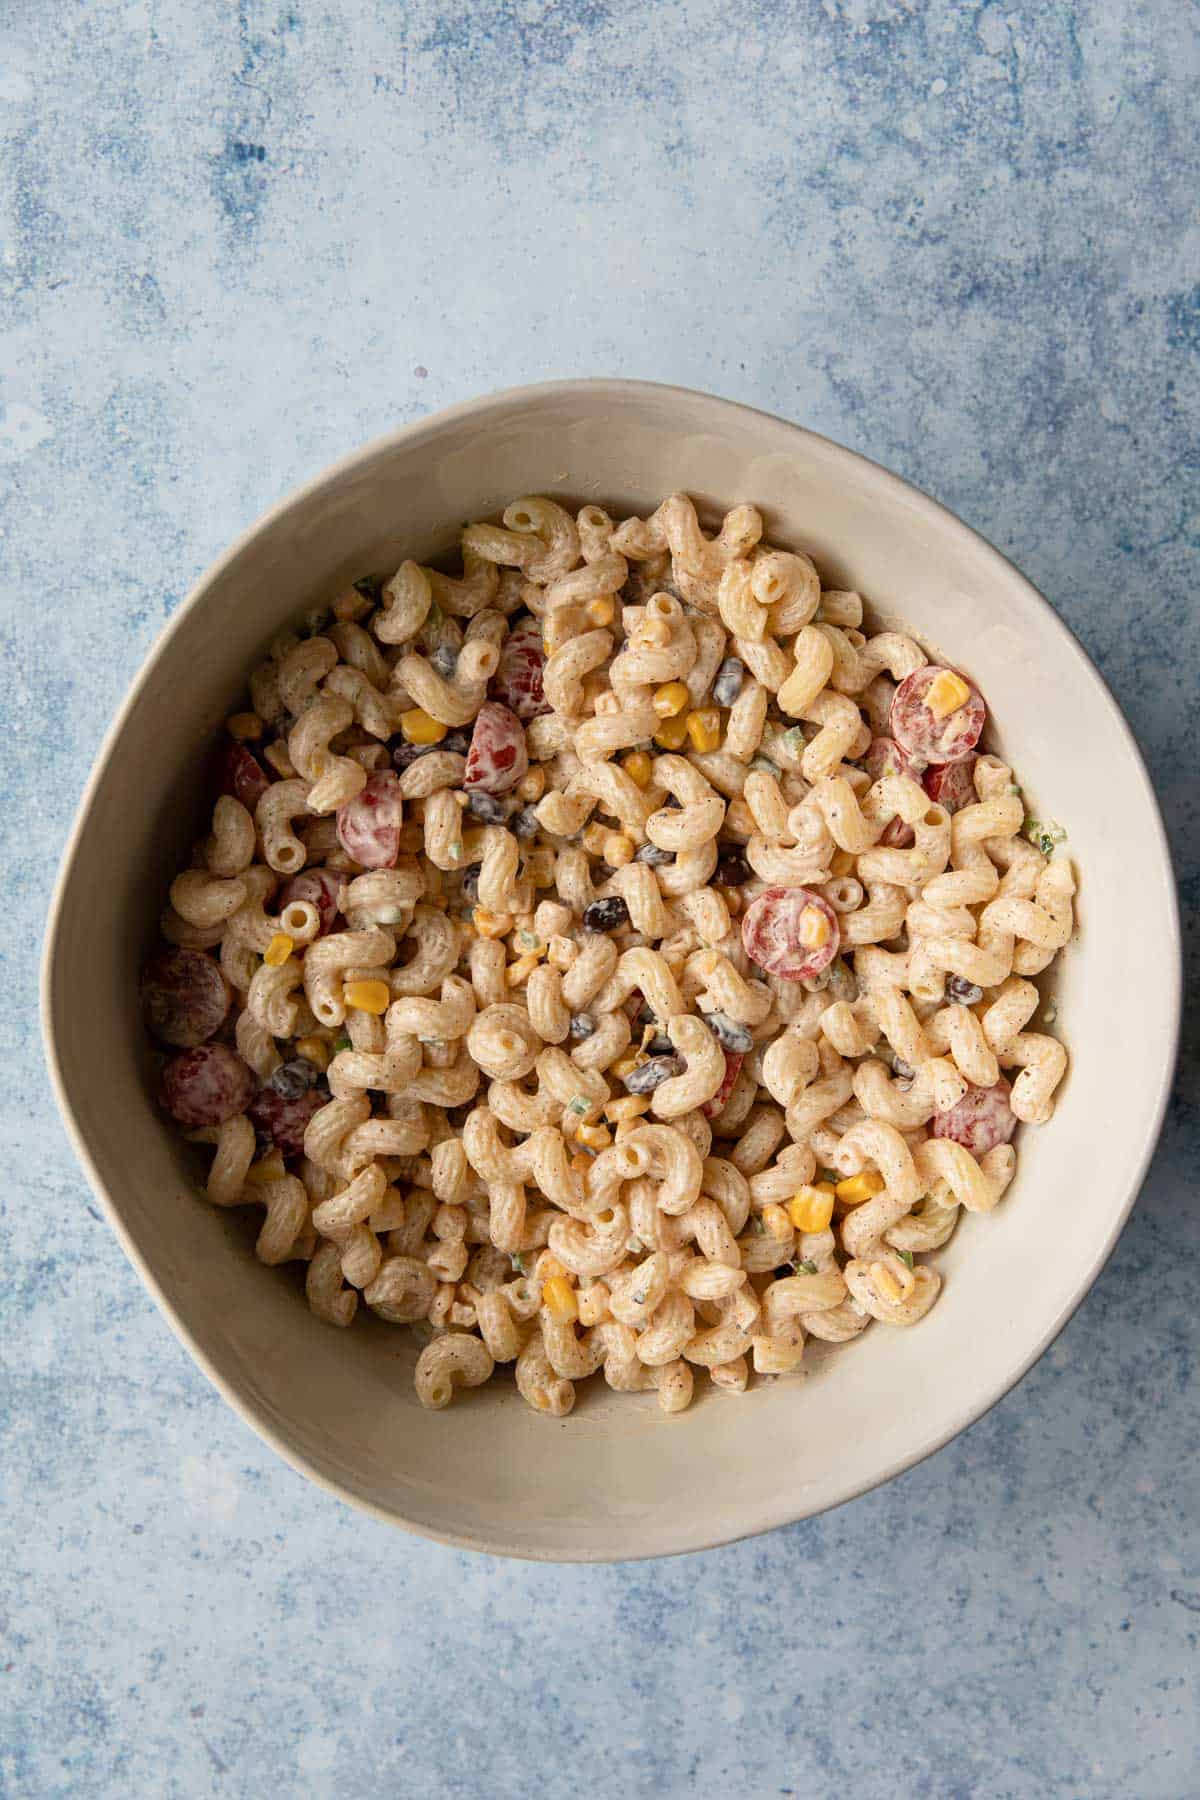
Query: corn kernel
671, 734
638, 767
276, 754
947, 692
671, 699
547, 1267
624, 1127
812, 1207
267, 1168
885, 1282
593, 1304
739, 820
704, 728
618, 849
857, 1188
245, 727
563, 952
601, 611
314, 1050
558, 1297
625, 1065
532, 786
278, 950
419, 728
631, 1107
654, 631
540, 865
520, 971
776, 1220
596, 1137
491, 924
594, 839
814, 928
367, 996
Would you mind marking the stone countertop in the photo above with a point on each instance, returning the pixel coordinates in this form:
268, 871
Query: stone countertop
238, 241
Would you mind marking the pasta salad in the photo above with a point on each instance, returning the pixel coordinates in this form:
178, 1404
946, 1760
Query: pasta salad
611, 957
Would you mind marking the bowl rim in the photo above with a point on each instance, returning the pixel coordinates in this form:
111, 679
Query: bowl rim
785, 1511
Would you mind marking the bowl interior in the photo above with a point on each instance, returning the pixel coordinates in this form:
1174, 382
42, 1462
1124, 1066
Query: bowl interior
616, 1479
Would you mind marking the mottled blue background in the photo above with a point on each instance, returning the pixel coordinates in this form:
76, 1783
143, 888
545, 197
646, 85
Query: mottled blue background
237, 240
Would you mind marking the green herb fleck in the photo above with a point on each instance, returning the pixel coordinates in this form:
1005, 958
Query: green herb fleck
1044, 834
578, 1105
830, 1175
793, 740
528, 940
757, 1226
806, 1267
906, 1258
518, 1263
342, 1043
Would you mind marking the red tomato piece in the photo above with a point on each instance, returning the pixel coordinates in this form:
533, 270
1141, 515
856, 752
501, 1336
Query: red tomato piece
771, 933
236, 771
284, 1119
321, 889
185, 997
207, 1085
497, 758
926, 738
733, 1068
982, 1119
952, 785
885, 757
369, 826
517, 682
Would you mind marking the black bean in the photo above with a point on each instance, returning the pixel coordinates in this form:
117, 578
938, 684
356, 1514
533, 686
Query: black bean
963, 993
649, 1075
470, 881
728, 1033
606, 915
904, 1072
732, 868
457, 742
525, 823
582, 1026
488, 807
656, 858
291, 1079
444, 658
660, 1046
404, 755
727, 684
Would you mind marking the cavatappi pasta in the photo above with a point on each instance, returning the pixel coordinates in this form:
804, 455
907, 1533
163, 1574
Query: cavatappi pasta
610, 958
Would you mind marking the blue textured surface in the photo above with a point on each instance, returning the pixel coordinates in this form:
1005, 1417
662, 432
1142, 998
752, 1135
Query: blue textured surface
239, 240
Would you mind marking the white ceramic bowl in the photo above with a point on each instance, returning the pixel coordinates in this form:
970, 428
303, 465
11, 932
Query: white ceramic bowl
616, 1479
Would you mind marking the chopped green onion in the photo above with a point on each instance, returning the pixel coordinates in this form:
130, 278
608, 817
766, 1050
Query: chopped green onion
528, 940
578, 1105
518, 1263
806, 1267
906, 1258
342, 1043
830, 1175
1044, 835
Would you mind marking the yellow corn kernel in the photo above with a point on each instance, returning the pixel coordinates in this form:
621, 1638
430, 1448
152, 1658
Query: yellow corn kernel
244, 727
625, 1065
704, 728
631, 1107
419, 728
601, 611
593, 1304
367, 996
618, 849
594, 839
267, 1168
350, 605
596, 1137
563, 952
776, 1220
624, 1127
654, 631
841, 863
671, 699
276, 754
547, 1267
857, 1188
558, 1297
638, 767
539, 866
520, 970
532, 786
946, 694
885, 1282
278, 950
314, 1050
739, 820
672, 733
491, 924
814, 928
812, 1207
